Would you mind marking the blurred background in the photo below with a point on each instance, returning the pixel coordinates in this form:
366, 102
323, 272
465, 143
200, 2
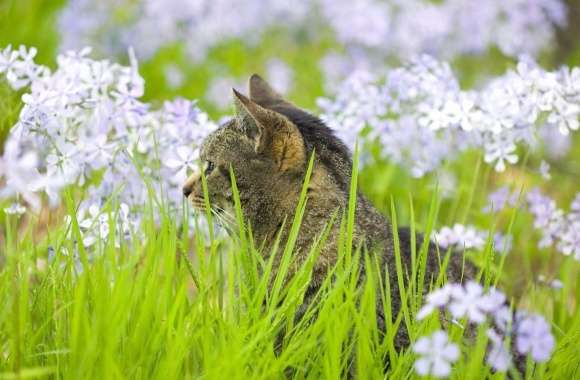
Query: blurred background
200, 49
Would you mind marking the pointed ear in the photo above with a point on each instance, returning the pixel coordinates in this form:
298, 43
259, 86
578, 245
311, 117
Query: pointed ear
274, 135
263, 94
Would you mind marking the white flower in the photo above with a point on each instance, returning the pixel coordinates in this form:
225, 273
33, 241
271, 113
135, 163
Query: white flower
545, 170
15, 209
498, 357
565, 117
436, 354
460, 236
182, 160
472, 303
500, 150
569, 243
435, 300
279, 74
19, 168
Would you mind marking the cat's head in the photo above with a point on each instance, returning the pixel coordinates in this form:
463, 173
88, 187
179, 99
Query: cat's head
267, 144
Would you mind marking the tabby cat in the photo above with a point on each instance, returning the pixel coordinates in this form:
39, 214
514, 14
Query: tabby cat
268, 145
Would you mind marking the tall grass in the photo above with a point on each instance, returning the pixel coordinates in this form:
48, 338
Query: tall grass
212, 307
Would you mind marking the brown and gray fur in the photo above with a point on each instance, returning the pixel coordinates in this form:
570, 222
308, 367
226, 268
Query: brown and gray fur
268, 144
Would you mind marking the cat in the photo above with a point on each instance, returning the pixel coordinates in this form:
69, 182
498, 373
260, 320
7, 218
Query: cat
268, 145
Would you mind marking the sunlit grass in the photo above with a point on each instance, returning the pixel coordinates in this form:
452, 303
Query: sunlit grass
167, 306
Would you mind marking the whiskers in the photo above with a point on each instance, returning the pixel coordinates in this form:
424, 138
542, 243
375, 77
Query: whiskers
223, 217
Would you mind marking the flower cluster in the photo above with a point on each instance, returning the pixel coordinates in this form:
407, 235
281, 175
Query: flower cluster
85, 124
530, 333
373, 29
384, 28
278, 74
556, 227
150, 25
421, 116
460, 236
437, 354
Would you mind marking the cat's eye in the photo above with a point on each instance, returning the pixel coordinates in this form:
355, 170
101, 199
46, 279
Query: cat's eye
209, 166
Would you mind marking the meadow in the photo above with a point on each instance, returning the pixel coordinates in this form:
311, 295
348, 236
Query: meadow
462, 129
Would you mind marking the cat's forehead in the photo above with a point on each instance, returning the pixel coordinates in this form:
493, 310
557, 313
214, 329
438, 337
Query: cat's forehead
220, 139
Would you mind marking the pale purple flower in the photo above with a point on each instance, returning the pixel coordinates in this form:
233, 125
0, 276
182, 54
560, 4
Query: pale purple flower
460, 236
174, 76
87, 116
181, 161
436, 355
422, 118
533, 337
555, 143
15, 209
99, 151
565, 116
64, 161
545, 170
548, 219
96, 225
575, 207
361, 22
219, 92
18, 66
502, 243
503, 318
384, 29
569, 243
19, 168
498, 356
471, 302
500, 150
501, 198
436, 300
279, 75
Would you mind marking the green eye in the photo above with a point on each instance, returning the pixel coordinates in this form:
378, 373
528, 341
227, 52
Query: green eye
209, 166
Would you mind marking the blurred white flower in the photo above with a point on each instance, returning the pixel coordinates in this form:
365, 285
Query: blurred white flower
501, 198
422, 118
471, 302
533, 337
569, 243
545, 170
498, 356
436, 354
15, 209
460, 236
86, 116
436, 300
219, 92
181, 160
280, 75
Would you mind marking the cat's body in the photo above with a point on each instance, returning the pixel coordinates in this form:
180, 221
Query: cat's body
268, 146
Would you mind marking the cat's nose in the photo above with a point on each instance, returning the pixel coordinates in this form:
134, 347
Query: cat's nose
187, 189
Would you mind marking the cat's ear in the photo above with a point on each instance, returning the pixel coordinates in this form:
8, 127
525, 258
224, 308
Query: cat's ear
263, 94
274, 135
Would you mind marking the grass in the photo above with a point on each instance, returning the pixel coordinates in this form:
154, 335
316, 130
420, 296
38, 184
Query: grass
172, 307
